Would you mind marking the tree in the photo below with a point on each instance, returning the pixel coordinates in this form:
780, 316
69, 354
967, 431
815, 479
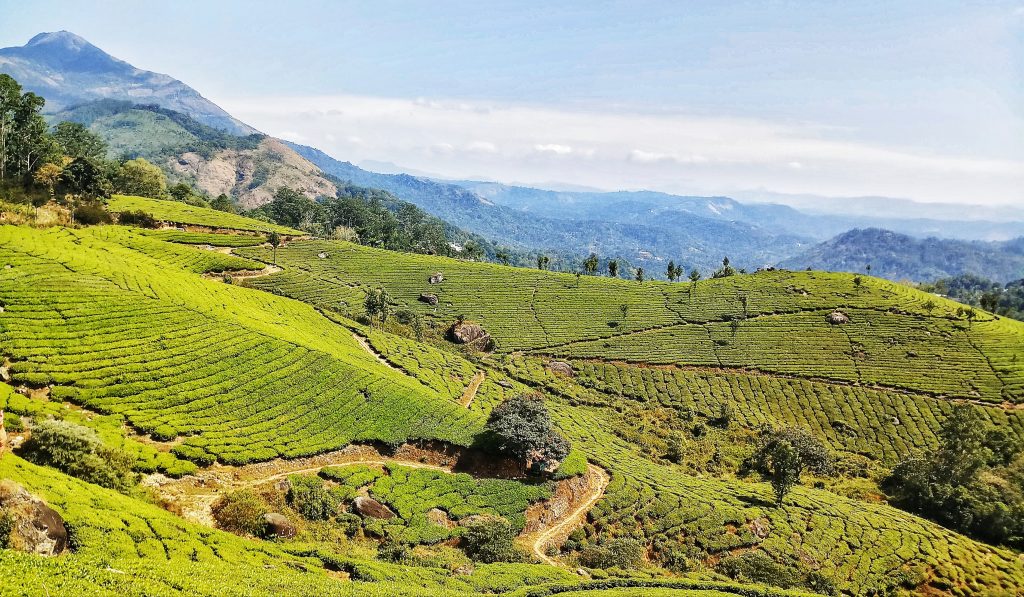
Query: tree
79, 452
502, 257
472, 251
857, 281
784, 464
725, 271
224, 203
275, 241
292, 208
139, 177
625, 311
84, 178
782, 455
640, 274
417, 327
590, 264
48, 175
613, 268
378, 305
77, 142
694, 276
672, 273
743, 301
542, 261
971, 315
523, 429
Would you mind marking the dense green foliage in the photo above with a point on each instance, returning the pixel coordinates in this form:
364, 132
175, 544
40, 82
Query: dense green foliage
240, 512
522, 428
181, 213
1002, 299
79, 452
972, 483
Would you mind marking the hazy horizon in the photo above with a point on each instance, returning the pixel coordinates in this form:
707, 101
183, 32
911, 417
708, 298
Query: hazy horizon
913, 100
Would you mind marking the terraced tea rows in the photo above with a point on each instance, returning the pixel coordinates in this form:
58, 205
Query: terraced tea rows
874, 423
244, 375
180, 213
207, 238
924, 346
861, 546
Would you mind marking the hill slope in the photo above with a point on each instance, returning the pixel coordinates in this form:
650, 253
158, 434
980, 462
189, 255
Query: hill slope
901, 257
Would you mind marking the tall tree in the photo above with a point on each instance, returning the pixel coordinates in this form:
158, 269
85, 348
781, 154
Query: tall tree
672, 273
590, 264
77, 142
542, 261
613, 268
639, 274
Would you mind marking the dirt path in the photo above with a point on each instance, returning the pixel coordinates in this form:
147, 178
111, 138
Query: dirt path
370, 349
474, 385
564, 525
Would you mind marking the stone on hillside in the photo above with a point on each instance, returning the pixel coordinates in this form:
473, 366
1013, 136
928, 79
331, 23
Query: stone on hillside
36, 528
837, 318
322, 255
430, 299
463, 332
439, 517
370, 508
561, 368
278, 526
436, 278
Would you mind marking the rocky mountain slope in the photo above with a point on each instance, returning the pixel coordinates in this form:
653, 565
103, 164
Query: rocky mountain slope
68, 70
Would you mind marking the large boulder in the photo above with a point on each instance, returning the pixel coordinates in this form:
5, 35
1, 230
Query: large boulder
428, 298
368, 507
561, 368
278, 526
464, 332
35, 527
837, 318
436, 278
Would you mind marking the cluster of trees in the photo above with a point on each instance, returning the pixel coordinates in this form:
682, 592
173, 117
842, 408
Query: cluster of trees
67, 162
1006, 300
974, 481
673, 272
367, 216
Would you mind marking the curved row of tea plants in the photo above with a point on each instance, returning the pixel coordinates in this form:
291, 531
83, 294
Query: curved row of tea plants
181, 213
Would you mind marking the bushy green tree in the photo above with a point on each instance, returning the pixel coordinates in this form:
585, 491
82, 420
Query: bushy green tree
613, 268
590, 264
141, 178
79, 143
784, 454
523, 429
377, 304
311, 498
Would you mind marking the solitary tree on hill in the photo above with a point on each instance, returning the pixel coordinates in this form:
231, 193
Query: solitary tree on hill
625, 311
640, 274
694, 276
542, 261
523, 429
378, 305
590, 264
672, 273
502, 256
613, 268
275, 241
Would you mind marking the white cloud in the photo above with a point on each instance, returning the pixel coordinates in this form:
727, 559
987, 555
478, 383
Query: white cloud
620, 150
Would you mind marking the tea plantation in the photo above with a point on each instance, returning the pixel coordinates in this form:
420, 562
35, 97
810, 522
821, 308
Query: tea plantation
143, 336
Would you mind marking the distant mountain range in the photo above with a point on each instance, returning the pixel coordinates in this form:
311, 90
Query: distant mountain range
901, 257
141, 113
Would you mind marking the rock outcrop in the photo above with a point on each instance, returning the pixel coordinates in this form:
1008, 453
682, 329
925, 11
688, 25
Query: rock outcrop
428, 298
368, 507
436, 278
561, 368
464, 332
837, 318
278, 526
35, 528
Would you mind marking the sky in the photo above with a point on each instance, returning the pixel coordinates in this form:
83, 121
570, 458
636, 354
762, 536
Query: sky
914, 99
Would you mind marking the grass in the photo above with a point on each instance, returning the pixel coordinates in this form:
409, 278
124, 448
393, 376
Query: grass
181, 213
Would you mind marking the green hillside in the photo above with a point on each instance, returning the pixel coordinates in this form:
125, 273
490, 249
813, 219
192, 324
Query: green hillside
257, 380
181, 213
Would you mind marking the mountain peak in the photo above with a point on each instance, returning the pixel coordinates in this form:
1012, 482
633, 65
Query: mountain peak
66, 39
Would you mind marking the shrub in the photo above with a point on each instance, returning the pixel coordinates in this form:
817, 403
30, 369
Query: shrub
137, 218
78, 451
311, 498
489, 540
757, 567
622, 553
241, 512
91, 214
13, 423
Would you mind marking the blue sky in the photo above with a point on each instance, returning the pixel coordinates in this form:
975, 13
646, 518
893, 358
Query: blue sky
916, 99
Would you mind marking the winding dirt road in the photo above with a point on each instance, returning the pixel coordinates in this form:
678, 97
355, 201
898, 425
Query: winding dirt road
560, 530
